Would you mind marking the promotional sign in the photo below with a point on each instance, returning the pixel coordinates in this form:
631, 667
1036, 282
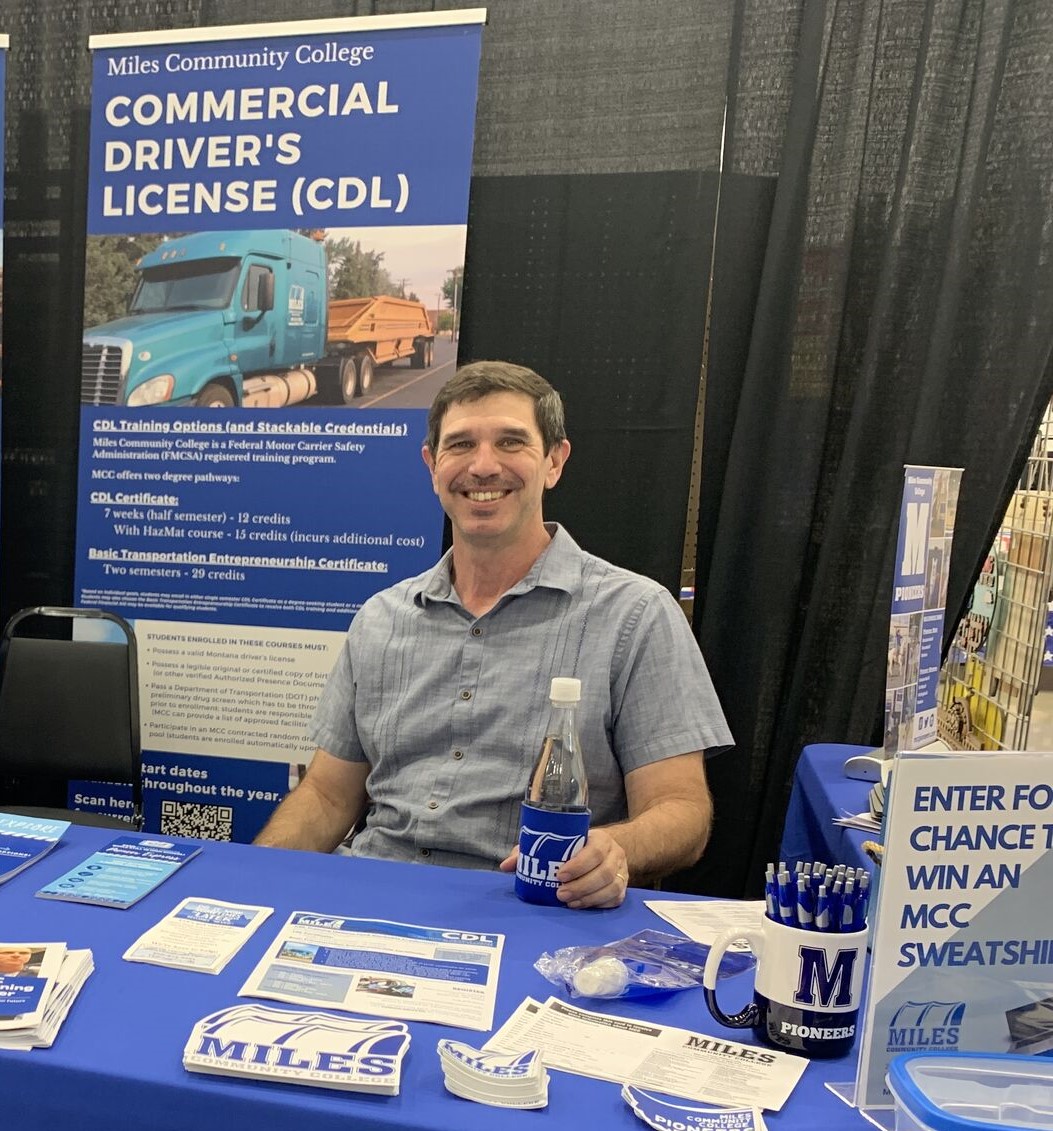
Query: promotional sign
276, 214
919, 598
962, 953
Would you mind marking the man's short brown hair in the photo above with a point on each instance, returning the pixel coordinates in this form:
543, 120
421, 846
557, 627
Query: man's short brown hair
481, 378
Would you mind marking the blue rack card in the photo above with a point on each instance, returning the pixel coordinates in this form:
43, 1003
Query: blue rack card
121, 873
24, 840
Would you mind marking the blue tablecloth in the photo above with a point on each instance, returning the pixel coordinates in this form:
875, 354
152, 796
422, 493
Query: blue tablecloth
117, 1061
821, 792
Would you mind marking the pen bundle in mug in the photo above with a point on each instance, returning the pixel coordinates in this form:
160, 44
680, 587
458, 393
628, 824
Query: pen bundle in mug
817, 897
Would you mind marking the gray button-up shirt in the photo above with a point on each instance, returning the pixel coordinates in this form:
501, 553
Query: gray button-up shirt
449, 710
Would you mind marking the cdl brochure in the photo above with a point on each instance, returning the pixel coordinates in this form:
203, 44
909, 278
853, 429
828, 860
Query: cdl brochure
382, 968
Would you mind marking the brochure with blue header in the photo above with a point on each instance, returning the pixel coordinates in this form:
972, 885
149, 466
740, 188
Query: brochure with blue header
24, 840
120, 874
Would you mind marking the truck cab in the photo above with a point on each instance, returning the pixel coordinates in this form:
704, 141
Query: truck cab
211, 313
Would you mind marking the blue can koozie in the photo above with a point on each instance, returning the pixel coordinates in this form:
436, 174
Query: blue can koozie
547, 839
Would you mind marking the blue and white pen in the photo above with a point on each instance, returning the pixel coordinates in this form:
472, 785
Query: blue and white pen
787, 913
822, 910
770, 898
804, 904
863, 903
835, 906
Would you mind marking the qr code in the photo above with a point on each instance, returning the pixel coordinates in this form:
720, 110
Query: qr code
186, 818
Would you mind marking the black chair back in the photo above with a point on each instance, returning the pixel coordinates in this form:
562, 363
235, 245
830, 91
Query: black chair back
69, 708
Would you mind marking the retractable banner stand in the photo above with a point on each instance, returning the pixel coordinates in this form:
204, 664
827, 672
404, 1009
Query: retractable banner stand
919, 598
275, 213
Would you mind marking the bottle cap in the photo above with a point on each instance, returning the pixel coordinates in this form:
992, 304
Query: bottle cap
565, 690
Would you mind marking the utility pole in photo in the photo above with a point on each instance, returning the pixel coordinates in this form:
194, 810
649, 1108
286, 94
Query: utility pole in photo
451, 288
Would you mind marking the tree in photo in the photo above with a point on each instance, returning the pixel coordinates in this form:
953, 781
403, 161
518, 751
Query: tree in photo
355, 272
109, 275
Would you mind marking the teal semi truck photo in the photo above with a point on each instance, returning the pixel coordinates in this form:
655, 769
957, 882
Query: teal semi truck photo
219, 319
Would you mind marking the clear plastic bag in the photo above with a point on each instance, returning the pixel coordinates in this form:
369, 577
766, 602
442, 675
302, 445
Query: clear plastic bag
643, 965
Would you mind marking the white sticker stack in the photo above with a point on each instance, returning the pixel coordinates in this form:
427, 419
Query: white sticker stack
516, 1080
318, 1050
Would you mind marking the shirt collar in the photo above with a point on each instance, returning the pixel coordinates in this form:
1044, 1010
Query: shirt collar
558, 566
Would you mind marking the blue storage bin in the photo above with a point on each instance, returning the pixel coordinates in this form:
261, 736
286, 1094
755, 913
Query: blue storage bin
971, 1091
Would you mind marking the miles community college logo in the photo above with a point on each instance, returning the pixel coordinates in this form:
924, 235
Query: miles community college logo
541, 853
926, 1024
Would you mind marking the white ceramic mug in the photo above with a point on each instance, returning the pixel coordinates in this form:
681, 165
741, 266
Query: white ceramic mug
806, 991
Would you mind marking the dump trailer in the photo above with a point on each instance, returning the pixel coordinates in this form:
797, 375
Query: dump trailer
367, 332
242, 318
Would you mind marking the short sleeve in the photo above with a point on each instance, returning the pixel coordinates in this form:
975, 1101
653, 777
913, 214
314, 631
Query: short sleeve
333, 726
664, 702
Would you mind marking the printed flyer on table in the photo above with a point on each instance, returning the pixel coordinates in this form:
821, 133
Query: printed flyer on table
382, 968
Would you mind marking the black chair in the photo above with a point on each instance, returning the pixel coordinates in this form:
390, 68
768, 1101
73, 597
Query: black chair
69, 709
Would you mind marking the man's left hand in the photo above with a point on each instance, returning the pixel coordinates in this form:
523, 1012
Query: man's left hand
597, 876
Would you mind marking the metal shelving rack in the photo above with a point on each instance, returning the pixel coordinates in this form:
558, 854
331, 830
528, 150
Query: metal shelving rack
989, 680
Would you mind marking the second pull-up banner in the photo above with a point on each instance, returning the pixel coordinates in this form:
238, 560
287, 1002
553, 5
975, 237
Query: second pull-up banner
276, 225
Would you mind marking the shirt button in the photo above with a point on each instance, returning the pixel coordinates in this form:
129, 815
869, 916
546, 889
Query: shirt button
477, 631
425, 852
466, 695
458, 754
433, 804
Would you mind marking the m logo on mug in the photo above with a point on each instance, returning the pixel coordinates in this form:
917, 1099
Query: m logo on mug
818, 981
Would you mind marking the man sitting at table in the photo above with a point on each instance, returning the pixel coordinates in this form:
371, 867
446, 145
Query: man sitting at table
437, 703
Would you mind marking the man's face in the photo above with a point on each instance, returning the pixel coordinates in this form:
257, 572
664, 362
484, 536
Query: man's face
491, 469
14, 959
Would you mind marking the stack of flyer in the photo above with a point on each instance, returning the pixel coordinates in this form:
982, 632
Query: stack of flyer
320, 1050
517, 1080
24, 840
198, 934
38, 984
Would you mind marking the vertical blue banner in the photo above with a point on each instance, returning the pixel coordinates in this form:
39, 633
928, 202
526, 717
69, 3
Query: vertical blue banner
919, 595
276, 214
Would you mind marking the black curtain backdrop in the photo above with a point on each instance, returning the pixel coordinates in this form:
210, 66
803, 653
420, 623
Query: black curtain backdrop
599, 282
903, 315
881, 295
591, 218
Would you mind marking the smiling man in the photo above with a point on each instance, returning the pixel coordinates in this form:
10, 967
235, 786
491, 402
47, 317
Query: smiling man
438, 701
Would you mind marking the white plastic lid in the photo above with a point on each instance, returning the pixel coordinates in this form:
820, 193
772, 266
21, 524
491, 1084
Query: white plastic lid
565, 690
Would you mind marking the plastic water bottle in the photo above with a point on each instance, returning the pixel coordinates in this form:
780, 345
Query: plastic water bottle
554, 822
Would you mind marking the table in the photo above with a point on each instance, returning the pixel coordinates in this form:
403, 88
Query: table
117, 1061
821, 792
